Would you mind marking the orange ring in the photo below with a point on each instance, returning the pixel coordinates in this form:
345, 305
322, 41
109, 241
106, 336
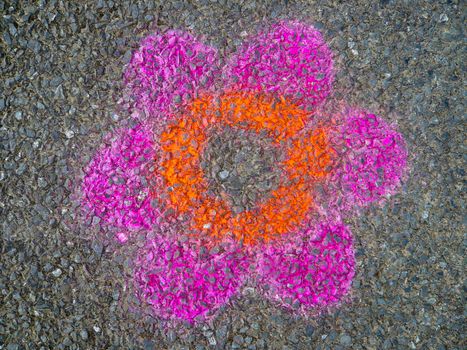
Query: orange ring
307, 159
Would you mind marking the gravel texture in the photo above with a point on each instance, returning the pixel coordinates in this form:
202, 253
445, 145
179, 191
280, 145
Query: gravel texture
61, 65
240, 167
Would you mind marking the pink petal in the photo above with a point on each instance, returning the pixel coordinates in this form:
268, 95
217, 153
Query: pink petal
168, 69
290, 59
373, 159
313, 269
184, 282
114, 186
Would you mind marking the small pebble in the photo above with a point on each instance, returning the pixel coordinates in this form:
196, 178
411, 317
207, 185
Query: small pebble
69, 134
345, 340
57, 272
443, 18
224, 174
84, 334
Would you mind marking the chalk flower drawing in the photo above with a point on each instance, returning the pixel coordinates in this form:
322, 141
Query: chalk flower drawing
234, 175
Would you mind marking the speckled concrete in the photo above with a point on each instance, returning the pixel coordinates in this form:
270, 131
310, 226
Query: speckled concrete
61, 65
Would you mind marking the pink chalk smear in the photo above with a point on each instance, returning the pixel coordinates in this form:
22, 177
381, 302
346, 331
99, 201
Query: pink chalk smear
373, 161
114, 186
290, 59
311, 270
186, 281
167, 70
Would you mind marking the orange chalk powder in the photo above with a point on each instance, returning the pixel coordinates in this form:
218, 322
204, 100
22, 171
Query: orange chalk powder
307, 160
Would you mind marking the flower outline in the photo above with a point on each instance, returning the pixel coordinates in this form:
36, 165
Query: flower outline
303, 88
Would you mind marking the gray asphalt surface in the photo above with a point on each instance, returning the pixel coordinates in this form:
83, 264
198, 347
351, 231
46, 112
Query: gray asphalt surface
61, 64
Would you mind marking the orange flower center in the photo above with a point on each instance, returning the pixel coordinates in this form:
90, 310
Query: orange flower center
307, 160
